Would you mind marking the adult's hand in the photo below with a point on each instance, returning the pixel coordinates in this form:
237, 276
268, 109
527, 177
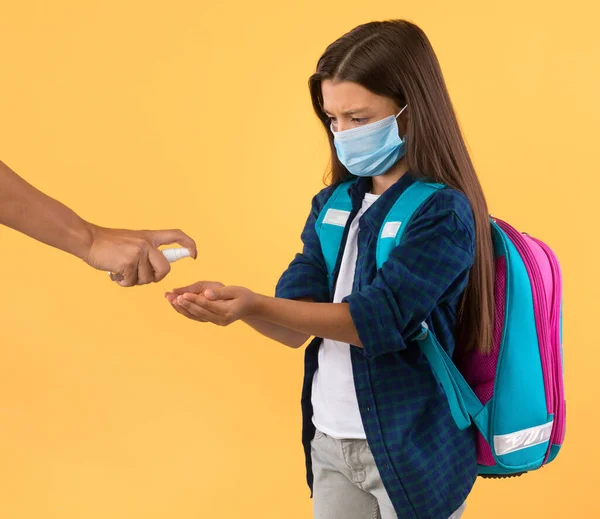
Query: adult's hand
133, 257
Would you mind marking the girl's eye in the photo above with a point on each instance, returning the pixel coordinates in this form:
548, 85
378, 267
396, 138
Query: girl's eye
359, 120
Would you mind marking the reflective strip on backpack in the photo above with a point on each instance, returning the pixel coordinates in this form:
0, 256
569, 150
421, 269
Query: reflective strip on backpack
512, 442
336, 217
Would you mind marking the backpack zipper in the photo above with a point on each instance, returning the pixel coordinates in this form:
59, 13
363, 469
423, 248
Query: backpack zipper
542, 319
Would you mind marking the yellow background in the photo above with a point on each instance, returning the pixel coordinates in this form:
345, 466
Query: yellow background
194, 115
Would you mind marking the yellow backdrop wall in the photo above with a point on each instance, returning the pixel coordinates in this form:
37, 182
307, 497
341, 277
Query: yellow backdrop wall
197, 115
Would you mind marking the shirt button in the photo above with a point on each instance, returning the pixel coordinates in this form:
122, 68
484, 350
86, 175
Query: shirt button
367, 408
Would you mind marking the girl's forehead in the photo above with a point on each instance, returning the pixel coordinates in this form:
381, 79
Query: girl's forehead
349, 97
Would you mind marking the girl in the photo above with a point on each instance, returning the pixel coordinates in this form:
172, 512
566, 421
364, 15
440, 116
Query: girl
377, 431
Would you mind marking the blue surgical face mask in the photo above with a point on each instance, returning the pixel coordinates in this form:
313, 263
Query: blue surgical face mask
372, 149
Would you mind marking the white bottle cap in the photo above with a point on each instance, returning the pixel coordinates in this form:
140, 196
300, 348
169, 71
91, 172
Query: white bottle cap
176, 253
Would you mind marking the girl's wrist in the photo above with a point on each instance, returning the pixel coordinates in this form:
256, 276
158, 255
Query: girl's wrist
257, 306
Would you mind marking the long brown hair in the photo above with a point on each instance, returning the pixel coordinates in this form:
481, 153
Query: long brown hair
395, 59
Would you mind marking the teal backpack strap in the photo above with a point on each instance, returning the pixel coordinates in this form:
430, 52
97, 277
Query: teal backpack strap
465, 407
331, 225
400, 215
463, 402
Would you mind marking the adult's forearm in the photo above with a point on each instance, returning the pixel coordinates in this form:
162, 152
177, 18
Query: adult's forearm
28, 210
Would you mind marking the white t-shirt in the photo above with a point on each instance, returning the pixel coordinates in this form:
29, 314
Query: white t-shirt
335, 407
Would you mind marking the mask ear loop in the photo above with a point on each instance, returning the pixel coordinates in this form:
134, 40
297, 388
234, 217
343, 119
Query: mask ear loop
400, 112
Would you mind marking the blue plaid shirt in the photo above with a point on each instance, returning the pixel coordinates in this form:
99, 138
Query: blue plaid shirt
427, 465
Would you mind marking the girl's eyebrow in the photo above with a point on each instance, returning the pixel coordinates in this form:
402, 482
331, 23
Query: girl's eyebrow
354, 111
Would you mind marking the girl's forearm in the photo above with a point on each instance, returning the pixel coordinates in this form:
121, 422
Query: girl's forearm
286, 336
327, 320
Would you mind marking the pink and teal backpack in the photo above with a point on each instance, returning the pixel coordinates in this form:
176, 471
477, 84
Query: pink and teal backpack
515, 395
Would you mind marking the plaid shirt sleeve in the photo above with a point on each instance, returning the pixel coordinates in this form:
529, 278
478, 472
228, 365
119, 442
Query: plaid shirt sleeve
306, 276
431, 263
